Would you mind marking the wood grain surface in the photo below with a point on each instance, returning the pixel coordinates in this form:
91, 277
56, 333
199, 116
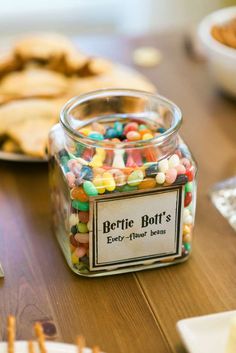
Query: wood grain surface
132, 313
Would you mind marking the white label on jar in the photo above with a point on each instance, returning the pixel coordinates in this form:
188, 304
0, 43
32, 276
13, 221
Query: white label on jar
135, 228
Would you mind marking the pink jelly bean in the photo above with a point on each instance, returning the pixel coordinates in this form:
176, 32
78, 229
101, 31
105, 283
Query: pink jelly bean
185, 162
82, 237
171, 175
133, 136
130, 127
80, 251
70, 177
180, 169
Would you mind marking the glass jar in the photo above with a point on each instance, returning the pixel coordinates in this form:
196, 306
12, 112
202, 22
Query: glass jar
123, 183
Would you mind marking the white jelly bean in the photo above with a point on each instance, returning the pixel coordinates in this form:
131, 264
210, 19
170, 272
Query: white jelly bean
163, 166
173, 161
160, 178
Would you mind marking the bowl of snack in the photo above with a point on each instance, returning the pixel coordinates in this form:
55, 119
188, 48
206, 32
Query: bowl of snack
217, 34
40, 345
39, 73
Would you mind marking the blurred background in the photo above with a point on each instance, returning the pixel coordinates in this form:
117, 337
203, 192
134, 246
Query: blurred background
104, 16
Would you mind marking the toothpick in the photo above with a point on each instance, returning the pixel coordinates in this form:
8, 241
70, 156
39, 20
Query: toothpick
40, 337
11, 333
80, 344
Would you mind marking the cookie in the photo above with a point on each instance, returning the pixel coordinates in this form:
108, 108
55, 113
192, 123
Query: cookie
42, 47
33, 83
8, 63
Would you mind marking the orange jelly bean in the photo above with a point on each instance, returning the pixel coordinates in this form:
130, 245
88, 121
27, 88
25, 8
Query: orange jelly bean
77, 193
147, 183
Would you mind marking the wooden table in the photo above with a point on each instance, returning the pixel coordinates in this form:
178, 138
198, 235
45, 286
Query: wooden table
133, 312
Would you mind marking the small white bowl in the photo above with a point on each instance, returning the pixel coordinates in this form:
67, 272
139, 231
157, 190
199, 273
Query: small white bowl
221, 58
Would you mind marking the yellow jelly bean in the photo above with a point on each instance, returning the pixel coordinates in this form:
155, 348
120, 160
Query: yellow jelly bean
85, 131
96, 162
147, 183
74, 259
147, 136
98, 183
108, 181
186, 229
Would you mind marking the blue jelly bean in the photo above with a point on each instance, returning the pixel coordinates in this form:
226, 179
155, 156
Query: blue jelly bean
161, 130
111, 133
86, 173
94, 135
119, 128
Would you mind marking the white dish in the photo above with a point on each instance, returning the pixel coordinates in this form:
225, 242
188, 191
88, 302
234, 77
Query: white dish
221, 58
52, 347
206, 334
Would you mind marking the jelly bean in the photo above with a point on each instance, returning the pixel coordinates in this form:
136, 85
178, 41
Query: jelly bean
181, 179
82, 161
171, 175
110, 133
173, 161
142, 127
118, 127
80, 251
189, 173
186, 163
77, 193
74, 258
127, 188
108, 181
89, 188
130, 160
180, 169
98, 183
187, 199
98, 171
119, 176
163, 165
82, 238
188, 187
147, 183
86, 173
73, 229
96, 162
147, 136
135, 177
133, 126
73, 219
82, 227
83, 217
73, 241
70, 177
150, 154
118, 161
85, 131
151, 170
187, 246
144, 132
98, 128
186, 229
137, 158
133, 136
161, 130
94, 135
187, 238
187, 217
160, 178
81, 206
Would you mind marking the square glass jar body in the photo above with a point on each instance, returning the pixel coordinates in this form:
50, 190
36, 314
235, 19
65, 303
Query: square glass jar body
121, 205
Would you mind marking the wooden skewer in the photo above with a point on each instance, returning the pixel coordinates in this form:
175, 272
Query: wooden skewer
11, 333
40, 337
80, 344
96, 349
30, 347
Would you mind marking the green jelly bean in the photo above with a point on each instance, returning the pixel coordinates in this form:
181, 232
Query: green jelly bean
189, 187
142, 127
82, 227
187, 246
127, 188
81, 206
89, 188
135, 178
118, 127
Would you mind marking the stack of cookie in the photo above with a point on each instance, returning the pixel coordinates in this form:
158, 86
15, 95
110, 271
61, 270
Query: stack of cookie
37, 76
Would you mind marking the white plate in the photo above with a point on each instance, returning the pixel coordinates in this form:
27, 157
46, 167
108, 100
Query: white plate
52, 347
206, 334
